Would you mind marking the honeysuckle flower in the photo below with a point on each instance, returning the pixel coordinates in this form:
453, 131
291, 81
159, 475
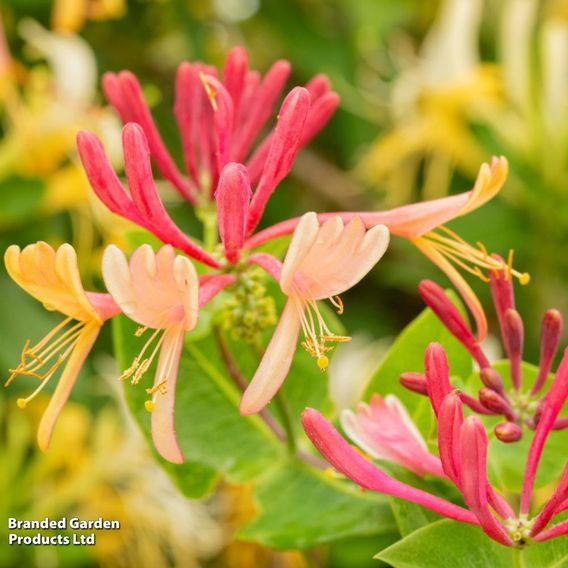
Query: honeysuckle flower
158, 291
220, 119
52, 277
385, 431
423, 225
519, 406
462, 444
321, 262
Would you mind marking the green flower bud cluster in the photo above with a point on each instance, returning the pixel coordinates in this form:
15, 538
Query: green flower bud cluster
249, 310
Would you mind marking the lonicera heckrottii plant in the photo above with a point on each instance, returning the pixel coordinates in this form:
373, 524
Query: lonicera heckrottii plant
220, 119
519, 405
462, 444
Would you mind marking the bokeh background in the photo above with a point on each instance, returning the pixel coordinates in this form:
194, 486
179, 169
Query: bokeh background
429, 90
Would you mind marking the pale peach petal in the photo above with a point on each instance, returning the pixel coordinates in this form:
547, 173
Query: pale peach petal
187, 283
462, 286
162, 421
116, 276
275, 363
65, 384
304, 236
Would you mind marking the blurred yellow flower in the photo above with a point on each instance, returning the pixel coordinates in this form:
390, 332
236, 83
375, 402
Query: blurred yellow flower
70, 15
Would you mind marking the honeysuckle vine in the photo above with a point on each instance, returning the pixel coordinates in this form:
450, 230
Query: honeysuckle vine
462, 446
231, 170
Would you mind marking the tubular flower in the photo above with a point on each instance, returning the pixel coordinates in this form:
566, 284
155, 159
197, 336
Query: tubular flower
520, 406
52, 277
321, 262
158, 291
385, 431
423, 225
462, 444
220, 119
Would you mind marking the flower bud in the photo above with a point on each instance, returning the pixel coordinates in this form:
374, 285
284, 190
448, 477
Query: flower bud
508, 432
415, 382
549, 338
514, 338
491, 379
495, 402
437, 300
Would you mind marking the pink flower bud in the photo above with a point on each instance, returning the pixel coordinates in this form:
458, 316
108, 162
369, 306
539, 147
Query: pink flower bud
442, 306
415, 382
549, 339
513, 338
508, 432
492, 379
437, 375
503, 294
496, 403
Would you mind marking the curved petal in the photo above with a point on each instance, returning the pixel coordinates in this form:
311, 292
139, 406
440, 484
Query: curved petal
163, 428
275, 363
65, 384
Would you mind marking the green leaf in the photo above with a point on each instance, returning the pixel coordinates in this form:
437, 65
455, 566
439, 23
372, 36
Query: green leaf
407, 354
447, 543
409, 516
21, 198
550, 554
302, 507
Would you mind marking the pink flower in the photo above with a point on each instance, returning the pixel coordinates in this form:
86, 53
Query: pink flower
158, 291
423, 225
321, 262
219, 118
385, 431
462, 444
52, 277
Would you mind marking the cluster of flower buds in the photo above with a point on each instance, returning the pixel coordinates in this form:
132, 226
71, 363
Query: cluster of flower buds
383, 430
517, 404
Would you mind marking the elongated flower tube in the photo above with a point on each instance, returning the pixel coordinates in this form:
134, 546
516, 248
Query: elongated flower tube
423, 225
220, 118
52, 277
321, 262
385, 431
159, 291
143, 206
463, 445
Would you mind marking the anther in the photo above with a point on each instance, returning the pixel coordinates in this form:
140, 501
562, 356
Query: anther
22, 403
323, 362
150, 406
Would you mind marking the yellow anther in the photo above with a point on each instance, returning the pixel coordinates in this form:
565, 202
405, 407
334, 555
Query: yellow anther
524, 278
22, 403
161, 387
150, 406
209, 90
140, 331
323, 362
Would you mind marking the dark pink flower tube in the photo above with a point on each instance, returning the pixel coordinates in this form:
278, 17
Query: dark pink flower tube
352, 464
551, 407
549, 339
437, 375
474, 483
233, 197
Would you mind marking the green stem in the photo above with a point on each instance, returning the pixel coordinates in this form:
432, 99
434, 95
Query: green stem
286, 417
517, 558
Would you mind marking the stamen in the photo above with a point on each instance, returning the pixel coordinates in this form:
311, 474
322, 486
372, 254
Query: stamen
31, 361
209, 90
471, 259
338, 303
140, 331
139, 365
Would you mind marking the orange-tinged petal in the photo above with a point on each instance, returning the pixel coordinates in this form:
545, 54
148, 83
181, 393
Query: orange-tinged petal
487, 185
275, 363
66, 383
52, 277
